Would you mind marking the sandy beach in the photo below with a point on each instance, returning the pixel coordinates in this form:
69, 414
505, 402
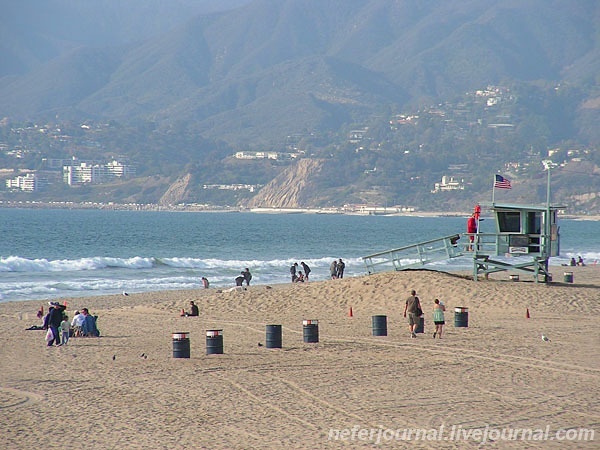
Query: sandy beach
484, 382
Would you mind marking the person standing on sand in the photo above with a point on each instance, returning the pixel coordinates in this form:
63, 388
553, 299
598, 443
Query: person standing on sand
205, 282
293, 270
438, 318
341, 265
306, 270
333, 270
65, 329
471, 229
412, 307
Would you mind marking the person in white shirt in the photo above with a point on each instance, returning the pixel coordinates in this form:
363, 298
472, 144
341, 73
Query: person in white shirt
77, 323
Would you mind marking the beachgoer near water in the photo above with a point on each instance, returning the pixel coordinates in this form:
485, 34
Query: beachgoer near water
573, 262
341, 265
580, 261
300, 277
293, 270
239, 280
205, 282
414, 318
306, 270
333, 269
247, 276
438, 318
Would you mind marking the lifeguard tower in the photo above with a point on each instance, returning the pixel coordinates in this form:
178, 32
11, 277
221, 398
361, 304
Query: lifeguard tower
526, 236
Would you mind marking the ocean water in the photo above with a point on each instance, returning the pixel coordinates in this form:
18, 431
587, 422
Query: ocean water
53, 254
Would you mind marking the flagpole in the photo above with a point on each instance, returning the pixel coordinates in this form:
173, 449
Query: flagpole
493, 189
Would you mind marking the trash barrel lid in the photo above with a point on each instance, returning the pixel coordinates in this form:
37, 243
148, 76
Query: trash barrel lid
310, 322
214, 333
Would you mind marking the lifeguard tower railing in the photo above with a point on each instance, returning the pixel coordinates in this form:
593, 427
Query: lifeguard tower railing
414, 256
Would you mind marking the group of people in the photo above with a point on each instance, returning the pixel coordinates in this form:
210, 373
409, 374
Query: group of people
299, 276
336, 269
579, 262
245, 276
413, 312
59, 329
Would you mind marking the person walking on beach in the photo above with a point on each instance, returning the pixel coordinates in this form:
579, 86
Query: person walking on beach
53, 320
306, 270
205, 282
414, 310
247, 276
341, 265
65, 329
333, 269
438, 318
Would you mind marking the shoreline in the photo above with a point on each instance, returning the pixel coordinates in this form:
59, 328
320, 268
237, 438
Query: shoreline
217, 209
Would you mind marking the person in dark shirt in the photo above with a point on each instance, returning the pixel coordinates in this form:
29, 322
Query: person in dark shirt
52, 321
306, 270
247, 276
193, 310
341, 265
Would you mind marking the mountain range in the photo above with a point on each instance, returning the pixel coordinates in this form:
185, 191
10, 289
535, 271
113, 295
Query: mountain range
288, 65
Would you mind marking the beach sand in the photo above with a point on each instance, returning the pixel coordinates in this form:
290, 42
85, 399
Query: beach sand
350, 390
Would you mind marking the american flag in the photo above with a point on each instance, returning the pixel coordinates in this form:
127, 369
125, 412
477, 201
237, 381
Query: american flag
501, 183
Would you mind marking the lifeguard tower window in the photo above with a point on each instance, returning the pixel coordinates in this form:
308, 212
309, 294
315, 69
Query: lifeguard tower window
534, 222
509, 221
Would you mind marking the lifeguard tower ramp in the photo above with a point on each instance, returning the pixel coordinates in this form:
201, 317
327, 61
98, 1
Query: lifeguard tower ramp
414, 256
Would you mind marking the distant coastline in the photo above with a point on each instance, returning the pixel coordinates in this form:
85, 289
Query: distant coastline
378, 211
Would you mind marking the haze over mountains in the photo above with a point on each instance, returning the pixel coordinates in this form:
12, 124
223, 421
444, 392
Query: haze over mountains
290, 65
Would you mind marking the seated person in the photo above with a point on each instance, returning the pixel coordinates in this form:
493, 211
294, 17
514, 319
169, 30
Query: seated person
300, 278
580, 261
89, 324
77, 324
573, 262
194, 312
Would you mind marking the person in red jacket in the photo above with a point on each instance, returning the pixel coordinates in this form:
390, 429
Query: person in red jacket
471, 228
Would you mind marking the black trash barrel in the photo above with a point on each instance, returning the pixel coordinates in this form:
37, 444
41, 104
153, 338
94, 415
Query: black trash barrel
273, 336
214, 342
379, 325
461, 317
181, 345
568, 277
420, 328
310, 331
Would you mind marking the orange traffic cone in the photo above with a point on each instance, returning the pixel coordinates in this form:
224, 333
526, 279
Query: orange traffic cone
350, 313
527, 314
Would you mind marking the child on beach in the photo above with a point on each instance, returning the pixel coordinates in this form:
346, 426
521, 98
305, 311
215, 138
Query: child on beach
64, 327
438, 318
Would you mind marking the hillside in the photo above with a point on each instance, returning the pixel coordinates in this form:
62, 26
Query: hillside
272, 68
